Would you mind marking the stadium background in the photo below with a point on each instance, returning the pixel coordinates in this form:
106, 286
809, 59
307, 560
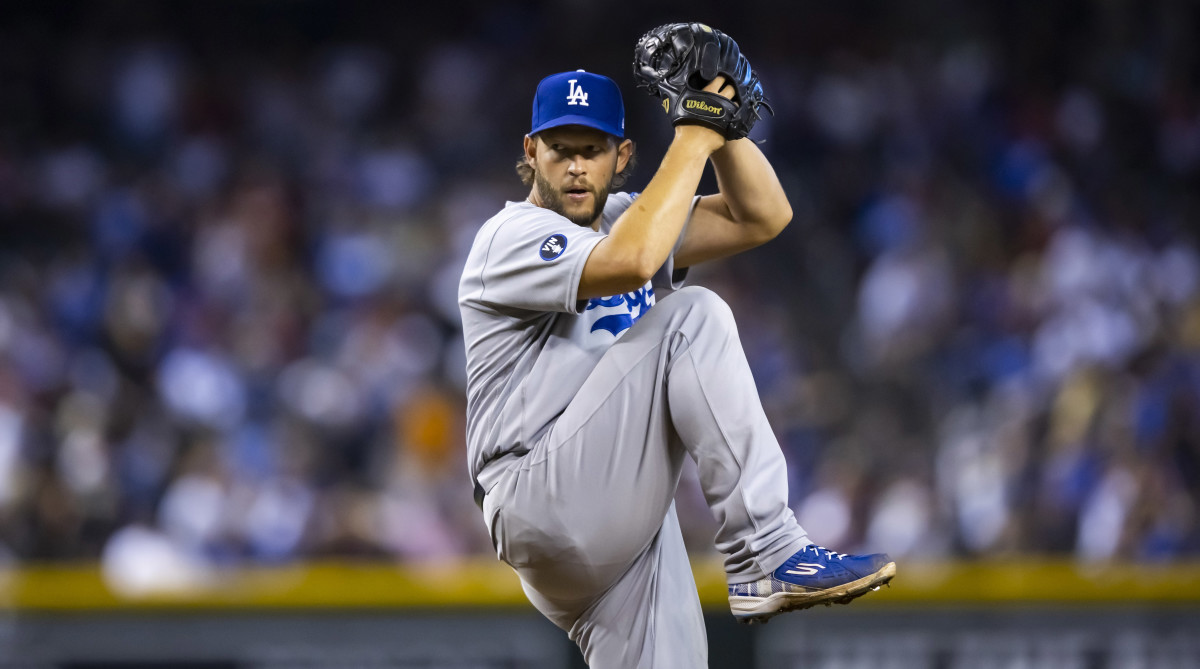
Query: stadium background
231, 371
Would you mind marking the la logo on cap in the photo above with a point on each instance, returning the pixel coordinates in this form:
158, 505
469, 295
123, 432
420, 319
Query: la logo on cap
576, 96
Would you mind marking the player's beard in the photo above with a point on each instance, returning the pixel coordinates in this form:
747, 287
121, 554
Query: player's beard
552, 199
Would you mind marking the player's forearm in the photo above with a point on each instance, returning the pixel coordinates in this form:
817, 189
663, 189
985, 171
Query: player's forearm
649, 229
751, 188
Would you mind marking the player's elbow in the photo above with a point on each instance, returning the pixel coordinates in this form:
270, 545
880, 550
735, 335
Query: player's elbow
634, 263
613, 271
784, 216
633, 272
644, 266
780, 219
771, 223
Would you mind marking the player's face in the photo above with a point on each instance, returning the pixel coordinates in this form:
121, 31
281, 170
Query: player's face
573, 170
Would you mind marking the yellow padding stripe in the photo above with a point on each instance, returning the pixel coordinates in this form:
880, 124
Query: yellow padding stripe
487, 583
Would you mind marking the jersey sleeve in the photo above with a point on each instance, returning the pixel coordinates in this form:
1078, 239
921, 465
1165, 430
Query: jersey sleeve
534, 261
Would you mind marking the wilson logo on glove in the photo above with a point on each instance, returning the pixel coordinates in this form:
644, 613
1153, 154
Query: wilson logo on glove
703, 107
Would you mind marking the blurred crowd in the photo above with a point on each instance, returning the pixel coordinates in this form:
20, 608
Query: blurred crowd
231, 235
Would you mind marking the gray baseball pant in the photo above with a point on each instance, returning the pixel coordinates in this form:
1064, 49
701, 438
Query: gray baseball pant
586, 518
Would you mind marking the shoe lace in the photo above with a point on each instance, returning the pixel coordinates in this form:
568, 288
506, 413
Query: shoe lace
829, 555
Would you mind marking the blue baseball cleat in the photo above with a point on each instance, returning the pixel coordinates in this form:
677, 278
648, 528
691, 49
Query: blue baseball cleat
815, 575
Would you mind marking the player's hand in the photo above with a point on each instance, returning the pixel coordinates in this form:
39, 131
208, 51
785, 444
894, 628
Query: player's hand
705, 136
721, 87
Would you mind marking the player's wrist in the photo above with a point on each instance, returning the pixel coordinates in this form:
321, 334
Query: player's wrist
699, 136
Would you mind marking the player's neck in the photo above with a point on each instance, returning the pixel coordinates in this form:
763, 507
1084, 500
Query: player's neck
537, 202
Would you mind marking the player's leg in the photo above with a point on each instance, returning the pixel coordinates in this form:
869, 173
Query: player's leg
577, 510
716, 410
651, 616
586, 520
592, 493
600, 558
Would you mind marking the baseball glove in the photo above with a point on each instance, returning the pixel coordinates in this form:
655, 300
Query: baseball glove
675, 61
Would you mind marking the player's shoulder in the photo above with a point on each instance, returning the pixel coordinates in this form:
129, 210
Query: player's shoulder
514, 216
616, 205
520, 226
516, 211
620, 200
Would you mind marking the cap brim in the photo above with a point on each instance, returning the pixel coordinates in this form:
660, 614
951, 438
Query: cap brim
579, 120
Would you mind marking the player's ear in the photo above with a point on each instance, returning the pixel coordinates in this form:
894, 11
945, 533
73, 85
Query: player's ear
530, 150
624, 152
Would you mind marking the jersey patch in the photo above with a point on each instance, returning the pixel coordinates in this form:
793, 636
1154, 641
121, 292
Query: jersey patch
619, 312
553, 247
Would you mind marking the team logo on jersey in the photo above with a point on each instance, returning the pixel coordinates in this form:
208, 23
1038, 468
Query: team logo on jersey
553, 247
621, 311
576, 96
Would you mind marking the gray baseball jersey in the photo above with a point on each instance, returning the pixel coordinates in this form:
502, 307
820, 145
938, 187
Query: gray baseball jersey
530, 342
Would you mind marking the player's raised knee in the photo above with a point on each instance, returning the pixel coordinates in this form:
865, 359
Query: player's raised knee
700, 301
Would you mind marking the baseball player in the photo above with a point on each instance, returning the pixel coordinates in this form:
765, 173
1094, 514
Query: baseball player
593, 372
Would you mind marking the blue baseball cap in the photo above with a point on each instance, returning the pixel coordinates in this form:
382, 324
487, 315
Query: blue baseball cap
578, 98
